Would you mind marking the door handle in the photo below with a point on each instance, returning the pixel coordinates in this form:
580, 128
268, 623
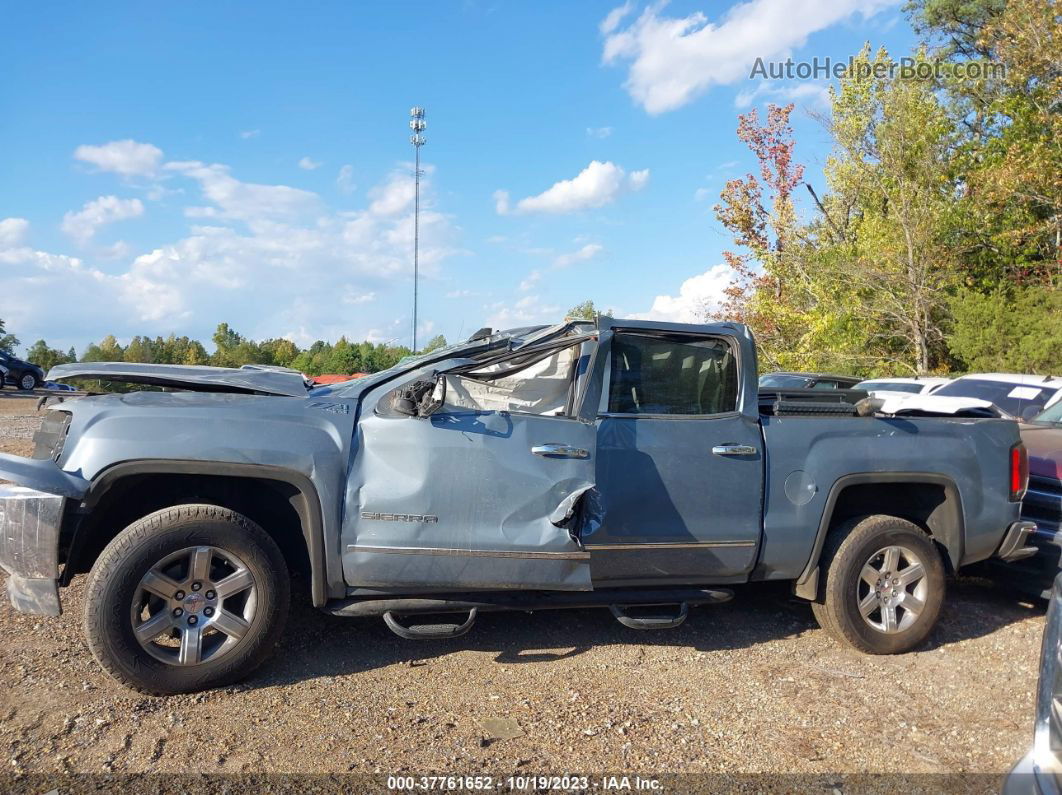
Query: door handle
734, 449
559, 451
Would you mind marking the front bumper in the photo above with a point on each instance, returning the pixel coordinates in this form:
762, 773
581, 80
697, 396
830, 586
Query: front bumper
29, 548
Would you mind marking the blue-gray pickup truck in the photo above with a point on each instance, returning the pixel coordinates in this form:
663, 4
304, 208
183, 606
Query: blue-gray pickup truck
625, 464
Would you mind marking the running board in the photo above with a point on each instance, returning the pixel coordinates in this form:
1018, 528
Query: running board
429, 631
650, 622
494, 601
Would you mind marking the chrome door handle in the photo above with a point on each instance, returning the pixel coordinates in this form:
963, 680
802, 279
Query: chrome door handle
560, 451
734, 449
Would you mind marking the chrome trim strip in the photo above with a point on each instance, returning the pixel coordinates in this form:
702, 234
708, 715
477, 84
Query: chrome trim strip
469, 553
673, 545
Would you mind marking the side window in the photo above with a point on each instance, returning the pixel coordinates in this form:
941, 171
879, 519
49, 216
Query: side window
678, 376
826, 385
543, 387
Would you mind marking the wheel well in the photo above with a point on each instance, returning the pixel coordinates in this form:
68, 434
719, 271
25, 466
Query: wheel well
272, 504
934, 507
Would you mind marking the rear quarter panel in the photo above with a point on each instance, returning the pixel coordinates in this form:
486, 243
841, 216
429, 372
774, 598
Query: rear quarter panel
814, 454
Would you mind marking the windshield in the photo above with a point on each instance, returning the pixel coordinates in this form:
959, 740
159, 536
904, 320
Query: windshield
1020, 400
1051, 415
889, 386
783, 381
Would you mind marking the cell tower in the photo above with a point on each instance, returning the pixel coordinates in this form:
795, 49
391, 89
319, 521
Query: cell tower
417, 125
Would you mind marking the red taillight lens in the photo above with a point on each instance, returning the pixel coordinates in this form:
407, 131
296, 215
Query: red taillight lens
1019, 472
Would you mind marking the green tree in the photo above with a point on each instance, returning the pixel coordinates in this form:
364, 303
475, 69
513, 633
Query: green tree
436, 342
8, 342
46, 358
1015, 329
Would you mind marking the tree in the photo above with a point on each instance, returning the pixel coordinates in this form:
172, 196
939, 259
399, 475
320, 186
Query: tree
891, 170
8, 342
436, 342
957, 25
1016, 329
46, 358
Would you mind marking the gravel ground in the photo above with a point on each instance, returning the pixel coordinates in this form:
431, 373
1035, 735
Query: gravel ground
752, 686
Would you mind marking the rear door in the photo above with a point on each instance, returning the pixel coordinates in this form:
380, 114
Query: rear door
680, 455
489, 492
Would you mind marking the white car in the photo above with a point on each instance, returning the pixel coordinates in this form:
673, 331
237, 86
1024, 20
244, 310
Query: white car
1019, 396
909, 386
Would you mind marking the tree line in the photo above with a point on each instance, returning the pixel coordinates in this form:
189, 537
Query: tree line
231, 349
932, 241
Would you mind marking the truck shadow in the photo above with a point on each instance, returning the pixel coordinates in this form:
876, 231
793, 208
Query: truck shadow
318, 645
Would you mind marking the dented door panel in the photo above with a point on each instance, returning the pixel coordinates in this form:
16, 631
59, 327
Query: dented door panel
458, 500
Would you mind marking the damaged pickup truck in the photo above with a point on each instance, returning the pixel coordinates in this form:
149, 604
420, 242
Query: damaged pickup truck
624, 464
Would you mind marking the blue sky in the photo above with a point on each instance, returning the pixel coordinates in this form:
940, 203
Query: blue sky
171, 166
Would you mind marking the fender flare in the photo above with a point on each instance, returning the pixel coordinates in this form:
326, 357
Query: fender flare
308, 508
807, 584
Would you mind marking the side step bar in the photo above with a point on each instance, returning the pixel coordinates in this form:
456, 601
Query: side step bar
394, 610
429, 631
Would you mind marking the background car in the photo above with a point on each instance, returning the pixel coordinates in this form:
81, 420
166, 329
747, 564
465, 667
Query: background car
807, 381
55, 386
911, 386
21, 374
1021, 396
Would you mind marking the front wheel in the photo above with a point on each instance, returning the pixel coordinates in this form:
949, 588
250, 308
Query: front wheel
187, 598
883, 585
29, 381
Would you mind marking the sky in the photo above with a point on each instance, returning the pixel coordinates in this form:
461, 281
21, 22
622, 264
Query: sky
167, 167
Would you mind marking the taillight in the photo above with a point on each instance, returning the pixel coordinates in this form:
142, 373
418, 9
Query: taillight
1019, 472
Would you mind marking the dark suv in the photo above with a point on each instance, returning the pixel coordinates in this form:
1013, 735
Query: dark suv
21, 374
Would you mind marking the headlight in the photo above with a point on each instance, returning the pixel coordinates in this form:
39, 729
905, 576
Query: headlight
1047, 740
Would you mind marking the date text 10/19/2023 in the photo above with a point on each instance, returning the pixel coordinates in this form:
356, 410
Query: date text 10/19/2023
527, 783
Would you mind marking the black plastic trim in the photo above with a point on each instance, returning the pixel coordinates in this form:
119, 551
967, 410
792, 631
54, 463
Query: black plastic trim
309, 511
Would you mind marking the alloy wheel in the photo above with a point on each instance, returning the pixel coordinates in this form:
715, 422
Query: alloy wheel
892, 589
194, 605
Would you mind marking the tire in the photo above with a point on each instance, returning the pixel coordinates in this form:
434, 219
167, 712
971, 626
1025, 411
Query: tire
855, 609
212, 565
28, 381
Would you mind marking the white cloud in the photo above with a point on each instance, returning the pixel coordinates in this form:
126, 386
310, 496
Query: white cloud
245, 201
128, 158
698, 297
250, 134
289, 265
614, 17
82, 225
596, 185
675, 59
525, 312
701, 194
589, 251
530, 280
816, 93
345, 179
308, 164
12, 232
598, 132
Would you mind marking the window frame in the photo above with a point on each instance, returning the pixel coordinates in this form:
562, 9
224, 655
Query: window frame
672, 336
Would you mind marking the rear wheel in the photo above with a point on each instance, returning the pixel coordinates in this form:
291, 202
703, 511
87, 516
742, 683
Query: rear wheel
29, 381
883, 585
185, 599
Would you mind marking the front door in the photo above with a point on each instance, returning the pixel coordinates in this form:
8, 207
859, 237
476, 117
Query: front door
488, 492
679, 457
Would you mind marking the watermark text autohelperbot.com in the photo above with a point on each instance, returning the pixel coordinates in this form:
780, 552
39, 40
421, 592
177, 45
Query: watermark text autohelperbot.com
905, 68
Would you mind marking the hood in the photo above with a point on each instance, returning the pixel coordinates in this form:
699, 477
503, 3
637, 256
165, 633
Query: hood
249, 379
901, 403
1044, 443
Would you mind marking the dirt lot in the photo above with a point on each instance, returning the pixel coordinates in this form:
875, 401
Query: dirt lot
750, 686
